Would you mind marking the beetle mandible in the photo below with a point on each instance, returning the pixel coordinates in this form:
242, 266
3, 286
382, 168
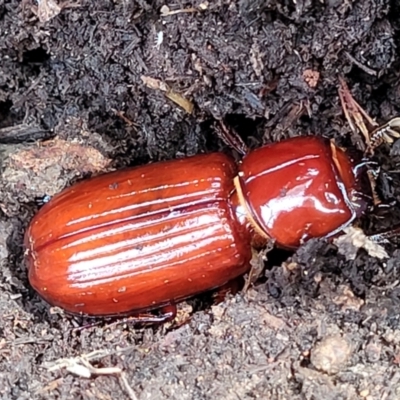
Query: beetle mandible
143, 238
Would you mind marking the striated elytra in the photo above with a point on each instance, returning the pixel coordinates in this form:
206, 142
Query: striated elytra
143, 238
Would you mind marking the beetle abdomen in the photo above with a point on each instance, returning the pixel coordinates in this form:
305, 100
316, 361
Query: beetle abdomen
140, 238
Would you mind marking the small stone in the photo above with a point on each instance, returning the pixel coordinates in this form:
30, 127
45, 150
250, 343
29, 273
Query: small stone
331, 354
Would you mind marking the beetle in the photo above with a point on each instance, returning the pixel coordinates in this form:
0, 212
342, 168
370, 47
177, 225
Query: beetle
144, 238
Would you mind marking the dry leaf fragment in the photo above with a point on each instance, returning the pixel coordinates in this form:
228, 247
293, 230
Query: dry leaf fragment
347, 299
153, 83
67, 154
46, 169
272, 321
47, 9
157, 84
187, 105
355, 239
256, 58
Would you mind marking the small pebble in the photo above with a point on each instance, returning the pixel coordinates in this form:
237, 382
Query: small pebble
331, 354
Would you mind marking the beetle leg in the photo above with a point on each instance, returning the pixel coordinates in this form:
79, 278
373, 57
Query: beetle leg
386, 133
164, 314
231, 138
257, 264
232, 287
376, 201
389, 236
160, 316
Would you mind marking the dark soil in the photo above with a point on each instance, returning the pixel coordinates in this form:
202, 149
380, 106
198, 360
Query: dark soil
315, 326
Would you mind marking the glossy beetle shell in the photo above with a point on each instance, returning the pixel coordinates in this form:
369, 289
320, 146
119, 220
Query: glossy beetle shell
136, 239
295, 190
145, 237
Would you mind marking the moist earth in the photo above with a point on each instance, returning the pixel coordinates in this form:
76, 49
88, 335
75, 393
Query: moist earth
91, 86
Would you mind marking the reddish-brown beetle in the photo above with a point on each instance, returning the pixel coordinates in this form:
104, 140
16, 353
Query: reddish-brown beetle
147, 237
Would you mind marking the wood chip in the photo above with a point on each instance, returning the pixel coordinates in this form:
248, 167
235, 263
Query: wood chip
311, 78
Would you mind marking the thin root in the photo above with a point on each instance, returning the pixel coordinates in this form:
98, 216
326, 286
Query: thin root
355, 114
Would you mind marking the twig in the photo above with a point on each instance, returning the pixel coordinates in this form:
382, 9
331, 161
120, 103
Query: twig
165, 13
366, 69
